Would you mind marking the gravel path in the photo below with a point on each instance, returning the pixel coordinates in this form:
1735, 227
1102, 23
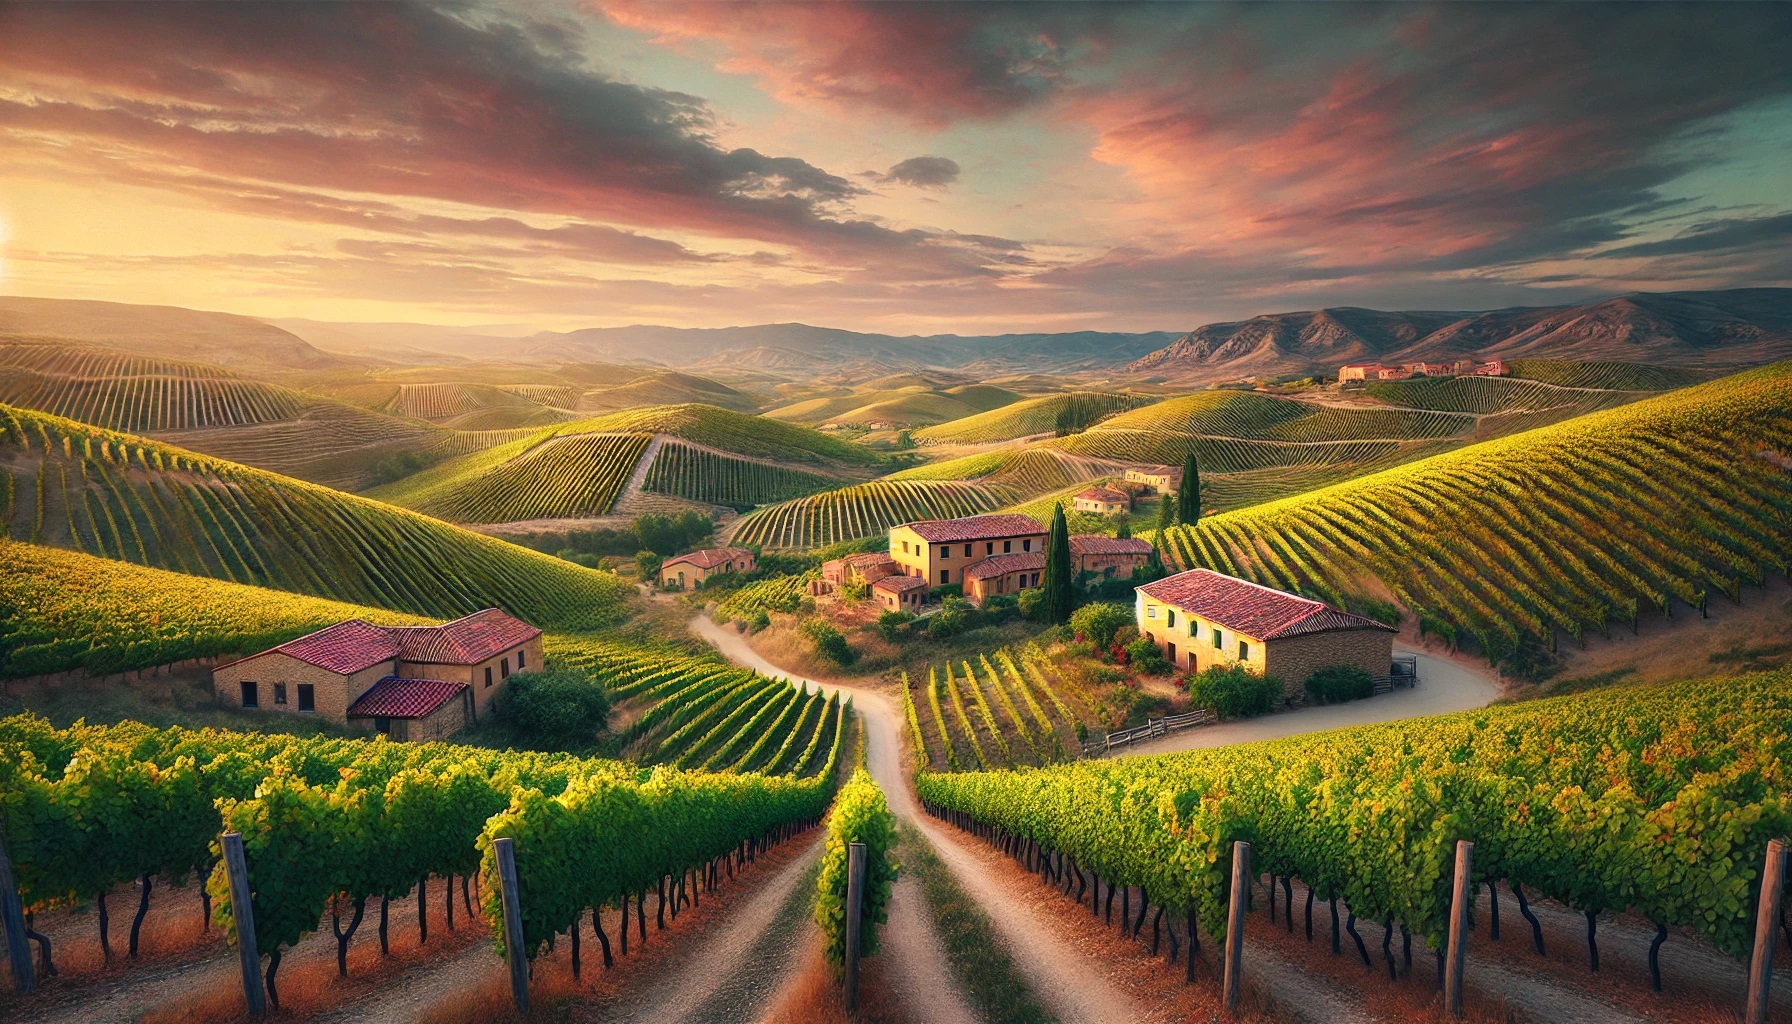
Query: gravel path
913, 958
1444, 686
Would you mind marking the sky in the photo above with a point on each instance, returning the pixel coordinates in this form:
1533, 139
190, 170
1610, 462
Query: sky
892, 167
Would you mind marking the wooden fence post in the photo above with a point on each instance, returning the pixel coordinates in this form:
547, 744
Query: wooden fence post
242, 912
1457, 951
505, 852
1241, 885
1767, 913
18, 946
855, 908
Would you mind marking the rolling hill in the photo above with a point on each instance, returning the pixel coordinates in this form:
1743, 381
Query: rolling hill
164, 332
118, 496
1028, 418
1572, 527
1722, 328
912, 405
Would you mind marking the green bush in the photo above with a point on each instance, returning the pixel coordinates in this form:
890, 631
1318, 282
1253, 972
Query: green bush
956, 617
860, 815
1097, 623
1233, 692
648, 562
759, 620
890, 624
1032, 604
1144, 656
829, 642
1335, 684
553, 710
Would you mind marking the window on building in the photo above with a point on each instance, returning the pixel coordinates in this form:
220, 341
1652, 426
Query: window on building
504, 668
307, 697
945, 575
251, 695
945, 551
488, 675
1151, 611
1007, 546
1026, 545
521, 658
967, 551
1216, 639
279, 693
382, 725
1244, 651
1170, 618
989, 548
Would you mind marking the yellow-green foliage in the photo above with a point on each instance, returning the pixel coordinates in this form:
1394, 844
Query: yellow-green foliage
550, 475
862, 510
736, 432
1562, 529
703, 474
118, 496
66, 610
860, 815
1656, 800
139, 394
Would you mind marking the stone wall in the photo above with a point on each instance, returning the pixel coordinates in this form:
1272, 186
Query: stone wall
1297, 657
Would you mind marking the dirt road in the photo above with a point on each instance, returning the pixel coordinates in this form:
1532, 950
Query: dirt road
1444, 686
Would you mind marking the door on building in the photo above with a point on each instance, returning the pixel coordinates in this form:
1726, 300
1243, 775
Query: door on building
1172, 653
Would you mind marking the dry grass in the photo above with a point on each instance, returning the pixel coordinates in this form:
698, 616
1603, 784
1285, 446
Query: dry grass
815, 996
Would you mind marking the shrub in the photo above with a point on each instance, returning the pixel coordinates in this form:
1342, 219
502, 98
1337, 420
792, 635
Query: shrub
1335, 684
1097, 623
1032, 604
1233, 692
956, 617
648, 562
1144, 656
759, 620
860, 815
829, 642
1001, 608
554, 710
890, 624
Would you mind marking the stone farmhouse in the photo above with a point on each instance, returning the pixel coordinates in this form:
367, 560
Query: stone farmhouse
940, 550
1201, 618
864, 569
416, 683
1360, 372
899, 593
1108, 556
1003, 574
1156, 479
689, 570
1102, 501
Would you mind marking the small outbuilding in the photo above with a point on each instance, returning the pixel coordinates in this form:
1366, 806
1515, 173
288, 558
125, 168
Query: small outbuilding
689, 570
1102, 501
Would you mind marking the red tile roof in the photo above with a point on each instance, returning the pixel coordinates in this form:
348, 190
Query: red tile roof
1096, 544
393, 697
1002, 565
1104, 494
353, 644
345, 648
1251, 609
899, 584
868, 558
465, 641
708, 558
946, 531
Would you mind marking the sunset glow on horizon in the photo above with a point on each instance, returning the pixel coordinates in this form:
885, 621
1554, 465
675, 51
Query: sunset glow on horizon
903, 168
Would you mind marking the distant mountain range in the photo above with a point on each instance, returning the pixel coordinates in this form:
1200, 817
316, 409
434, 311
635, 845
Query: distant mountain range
1751, 325
1744, 326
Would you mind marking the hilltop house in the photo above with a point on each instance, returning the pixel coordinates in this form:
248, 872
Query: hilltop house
940, 550
689, 570
1460, 367
1108, 556
1156, 479
407, 682
1202, 618
1102, 501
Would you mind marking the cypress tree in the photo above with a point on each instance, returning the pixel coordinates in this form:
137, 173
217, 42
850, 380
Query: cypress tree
1154, 567
1188, 497
1166, 514
1059, 600
1124, 529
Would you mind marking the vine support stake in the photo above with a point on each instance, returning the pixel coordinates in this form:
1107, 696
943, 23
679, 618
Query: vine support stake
1241, 884
242, 912
1457, 952
18, 946
514, 952
855, 905
1767, 912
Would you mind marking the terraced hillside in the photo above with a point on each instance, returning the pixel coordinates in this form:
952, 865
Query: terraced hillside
118, 496
916, 405
1026, 419
68, 610
699, 712
1574, 527
1004, 710
579, 469
862, 510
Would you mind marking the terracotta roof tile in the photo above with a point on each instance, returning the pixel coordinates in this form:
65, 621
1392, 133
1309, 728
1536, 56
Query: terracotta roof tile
1002, 565
1096, 544
1104, 494
947, 531
708, 558
465, 641
899, 584
393, 697
345, 648
1251, 609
